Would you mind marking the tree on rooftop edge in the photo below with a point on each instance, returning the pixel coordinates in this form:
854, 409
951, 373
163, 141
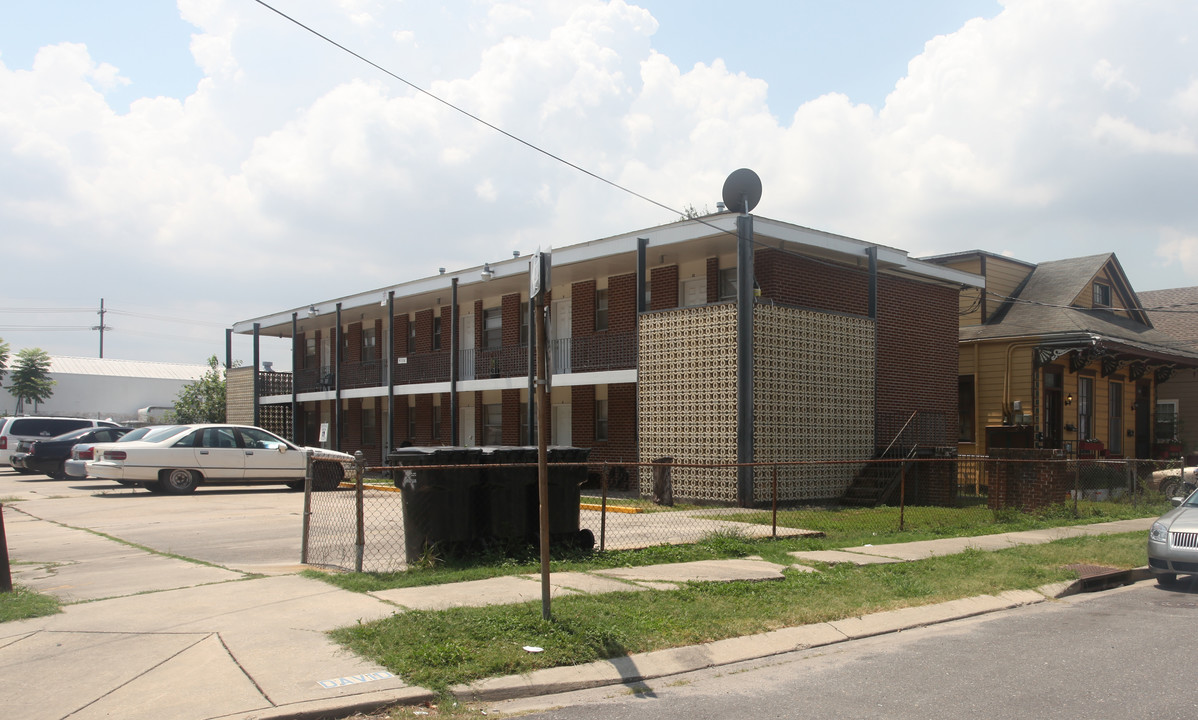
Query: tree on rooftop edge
202, 401
29, 380
3, 360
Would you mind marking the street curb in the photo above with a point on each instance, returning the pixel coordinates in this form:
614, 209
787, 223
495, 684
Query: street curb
664, 663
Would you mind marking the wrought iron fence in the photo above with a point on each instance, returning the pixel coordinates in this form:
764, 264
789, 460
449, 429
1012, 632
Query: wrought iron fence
636, 505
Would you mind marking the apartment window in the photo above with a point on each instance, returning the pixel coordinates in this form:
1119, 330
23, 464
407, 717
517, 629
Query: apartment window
1115, 418
436, 422
1102, 295
1085, 408
966, 430
411, 337
601, 309
369, 345
310, 353
1166, 421
601, 419
493, 328
493, 424
728, 283
523, 324
437, 333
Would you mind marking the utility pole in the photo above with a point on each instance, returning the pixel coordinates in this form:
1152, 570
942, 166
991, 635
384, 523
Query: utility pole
101, 327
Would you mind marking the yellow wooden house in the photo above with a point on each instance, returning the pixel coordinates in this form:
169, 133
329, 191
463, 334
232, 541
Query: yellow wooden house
1058, 355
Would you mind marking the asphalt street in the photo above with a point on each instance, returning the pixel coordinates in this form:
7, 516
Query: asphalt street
1110, 655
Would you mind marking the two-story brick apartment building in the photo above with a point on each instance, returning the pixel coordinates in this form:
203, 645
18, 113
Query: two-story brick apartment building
848, 340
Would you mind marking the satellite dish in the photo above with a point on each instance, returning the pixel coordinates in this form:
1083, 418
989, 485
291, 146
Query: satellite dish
742, 191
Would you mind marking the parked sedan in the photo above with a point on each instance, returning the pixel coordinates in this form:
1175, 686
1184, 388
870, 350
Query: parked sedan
1173, 542
49, 456
179, 458
76, 465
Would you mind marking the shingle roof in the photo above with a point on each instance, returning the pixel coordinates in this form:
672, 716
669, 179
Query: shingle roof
1180, 322
1043, 306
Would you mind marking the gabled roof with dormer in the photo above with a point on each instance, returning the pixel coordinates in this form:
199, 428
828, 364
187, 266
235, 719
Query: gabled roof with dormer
1056, 304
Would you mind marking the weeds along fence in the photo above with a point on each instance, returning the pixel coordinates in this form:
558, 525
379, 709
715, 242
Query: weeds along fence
484, 509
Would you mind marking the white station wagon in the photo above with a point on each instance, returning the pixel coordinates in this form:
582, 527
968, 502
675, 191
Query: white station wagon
176, 459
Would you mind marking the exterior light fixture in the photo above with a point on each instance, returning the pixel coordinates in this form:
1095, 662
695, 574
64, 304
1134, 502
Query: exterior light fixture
312, 312
1069, 399
487, 273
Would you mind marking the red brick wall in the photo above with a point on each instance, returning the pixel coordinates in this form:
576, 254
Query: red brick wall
353, 341
582, 424
446, 420
1027, 485
511, 417
713, 279
424, 420
664, 284
399, 429
916, 331
511, 320
424, 331
399, 343
621, 303
582, 308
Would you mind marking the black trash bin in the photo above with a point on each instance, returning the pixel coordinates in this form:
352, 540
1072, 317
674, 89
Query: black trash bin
441, 507
565, 494
511, 493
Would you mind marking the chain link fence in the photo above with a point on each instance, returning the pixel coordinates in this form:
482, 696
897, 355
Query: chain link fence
361, 525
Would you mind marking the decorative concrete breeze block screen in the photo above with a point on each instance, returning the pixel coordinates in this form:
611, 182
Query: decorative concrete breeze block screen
686, 383
813, 385
814, 391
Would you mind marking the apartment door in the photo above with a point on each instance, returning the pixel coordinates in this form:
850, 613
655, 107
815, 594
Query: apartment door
559, 343
694, 292
1054, 409
466, 435
466, 348
561, 432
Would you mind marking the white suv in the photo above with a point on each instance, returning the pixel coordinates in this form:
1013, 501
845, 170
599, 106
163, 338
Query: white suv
15, 429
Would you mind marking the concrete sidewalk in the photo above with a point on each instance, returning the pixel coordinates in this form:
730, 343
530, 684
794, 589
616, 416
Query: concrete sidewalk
152, 636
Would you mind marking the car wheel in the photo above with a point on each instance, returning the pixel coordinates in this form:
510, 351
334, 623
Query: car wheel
179, 482
1166, 578
327, 476
154, 487
59, 472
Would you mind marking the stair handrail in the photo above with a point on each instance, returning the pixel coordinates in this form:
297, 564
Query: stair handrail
898, 435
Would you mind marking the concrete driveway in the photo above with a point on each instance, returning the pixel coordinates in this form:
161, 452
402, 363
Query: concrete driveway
253, 529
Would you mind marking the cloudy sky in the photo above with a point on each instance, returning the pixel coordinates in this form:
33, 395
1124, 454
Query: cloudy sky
210, 161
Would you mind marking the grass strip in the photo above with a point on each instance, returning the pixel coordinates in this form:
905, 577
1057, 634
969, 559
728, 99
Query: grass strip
23, 603
439, 649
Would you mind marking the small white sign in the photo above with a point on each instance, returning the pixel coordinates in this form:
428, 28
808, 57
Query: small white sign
324, 432
355, 679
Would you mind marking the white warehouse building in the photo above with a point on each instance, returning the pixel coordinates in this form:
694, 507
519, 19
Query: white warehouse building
120, 390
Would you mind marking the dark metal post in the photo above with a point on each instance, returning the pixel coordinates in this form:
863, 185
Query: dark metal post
360, 512
642, 247
294, 396
744, 359
228, 348
454, 368
337, 381
543, 446
390, 376
257, 388
5, 568
532, 368
872, 253
902, 495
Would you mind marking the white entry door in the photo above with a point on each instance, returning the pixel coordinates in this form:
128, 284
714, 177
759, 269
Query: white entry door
694, 292
466, 348
466, 426
559, 342
561, 431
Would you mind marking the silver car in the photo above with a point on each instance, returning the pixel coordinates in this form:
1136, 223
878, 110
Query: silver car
1173, 542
